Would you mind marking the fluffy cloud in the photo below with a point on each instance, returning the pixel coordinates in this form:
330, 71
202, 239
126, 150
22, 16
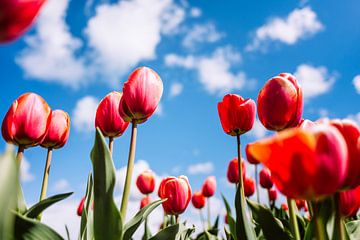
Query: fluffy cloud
201, 33
25, 174
176, 89
258, 131
195, 12
355, 117
201, 168
356, 82
61, 185
83, 116
314, 80
299, 24
50, 54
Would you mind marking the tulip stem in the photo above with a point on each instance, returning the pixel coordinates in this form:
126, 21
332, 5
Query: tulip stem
20, 154
45, 180
319, 226
241, 182
111, 145
293, 220
256, 184
129, 171
339, 225
208, 212
202, 219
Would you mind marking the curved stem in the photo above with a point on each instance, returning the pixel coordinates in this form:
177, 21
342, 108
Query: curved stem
293, 220
111, 145
256, 184
20, 154
129, 171
45, 180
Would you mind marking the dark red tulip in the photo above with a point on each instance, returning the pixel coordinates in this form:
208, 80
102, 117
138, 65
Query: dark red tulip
16, 16
272, 194
280, 102
350, 202
198, 200
59, 130
108, 118
284, 207
209, 186
226, 219
146, 182
233, 170
265, 178
177, 191
249, 157
249, 186
237, 115
80, 207
300, 203
145, 201
27, 121
141, 95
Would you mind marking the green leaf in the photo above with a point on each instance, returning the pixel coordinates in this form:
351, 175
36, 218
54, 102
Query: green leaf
272, 227
134, 223
147, 233
21, 204
30, 229
174, 232
231, 221
38, 208
353, 229
9, 180
87, 223
244, 230
107, 220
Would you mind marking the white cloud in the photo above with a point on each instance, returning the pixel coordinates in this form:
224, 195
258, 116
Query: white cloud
355, 117
356, 82
195, 12
50, 54
25, 174
159, 110
174, 60
201, 168
61, 185
299, 24
176, 89
258, 131
201, 33
83, 116
314, 80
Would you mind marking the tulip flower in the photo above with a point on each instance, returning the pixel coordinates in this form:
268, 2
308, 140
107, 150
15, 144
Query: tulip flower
177, 192
198, 200
249, 186
301, 204
250, 159
59, 130
145, 201
280, 103
16, 16
226, 219
265, 178
305, 164
272, 194
349, 202
284, 206
237, 115
209, 187
146, 182
80, 207
233, 170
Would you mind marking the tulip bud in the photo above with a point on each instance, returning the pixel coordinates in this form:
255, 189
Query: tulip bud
280, 103
226, 219
250, 158
284, 207
80, 207
209, 186
272, 194
237, 115
141, 95
145, 201
177, 191
27, 121
249, 186
233, 170
265, 178
16, 16
146, 182
108, 118
59, 130
301, 204
198, 200
349, 202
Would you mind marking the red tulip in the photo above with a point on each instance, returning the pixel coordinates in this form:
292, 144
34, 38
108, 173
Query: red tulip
16, 16
226, 219
280, 102
177, 191
233, 170
145, 201
59, 130
209, 186
27, 121
301, 204
272, 194
141, 95
237, 115
198, 200
249, 186
350, 202
249, 157
284, 206
306, 124
304, 164
80, 207
108, 118
265, 178
146, 182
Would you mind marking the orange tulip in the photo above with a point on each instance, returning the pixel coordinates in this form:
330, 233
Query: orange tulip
209, 186
59, 130
198, 200
146, 182
233, 170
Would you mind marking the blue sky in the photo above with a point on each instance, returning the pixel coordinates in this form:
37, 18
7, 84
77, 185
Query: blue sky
78, 51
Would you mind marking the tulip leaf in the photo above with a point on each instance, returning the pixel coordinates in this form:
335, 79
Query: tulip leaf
107, 220
272, 228
38, 208
353, 229
30, 229
175, 232
21, 203
231, 221
86, 223
134, 223
147, 233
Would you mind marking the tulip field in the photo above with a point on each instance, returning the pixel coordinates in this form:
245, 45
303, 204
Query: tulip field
314, 165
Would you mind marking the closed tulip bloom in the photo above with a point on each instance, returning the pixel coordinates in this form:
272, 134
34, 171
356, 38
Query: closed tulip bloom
300, 204
145, 201
265, 178
141, 95
349, 202
16, 17
226, 219
108, 118
284, 207
280, 102
272, 194
59, 130
304, 164
177, 191
198, 200
233, 170
209, 186
27, 121
237, 115
80, 207
146, 182
249, 186
249, 157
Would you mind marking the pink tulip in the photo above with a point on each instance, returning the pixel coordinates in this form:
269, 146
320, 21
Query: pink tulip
209, 186
59, 130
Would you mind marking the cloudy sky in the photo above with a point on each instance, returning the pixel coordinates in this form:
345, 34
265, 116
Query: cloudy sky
78, 51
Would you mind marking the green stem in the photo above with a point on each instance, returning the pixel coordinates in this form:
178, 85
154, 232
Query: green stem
129, 171
293, 220
208, 213
45, 180
319, 225
165, 221
111, 145
339, 225
241, 183
202, 219
20, 154
256, 184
